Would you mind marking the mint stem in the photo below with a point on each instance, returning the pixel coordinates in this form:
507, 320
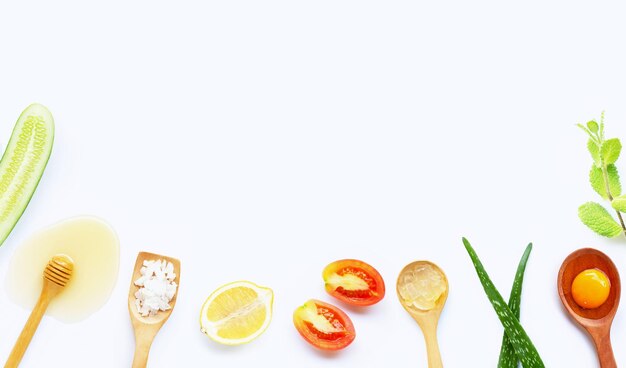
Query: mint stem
621, 220
610, 196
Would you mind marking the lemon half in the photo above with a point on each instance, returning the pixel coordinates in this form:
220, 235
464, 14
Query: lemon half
237, 313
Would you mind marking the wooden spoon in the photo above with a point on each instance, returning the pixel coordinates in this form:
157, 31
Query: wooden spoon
596, 321
427, 319
146, 328
56, 275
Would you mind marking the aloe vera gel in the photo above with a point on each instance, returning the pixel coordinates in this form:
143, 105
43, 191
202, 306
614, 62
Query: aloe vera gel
422, 286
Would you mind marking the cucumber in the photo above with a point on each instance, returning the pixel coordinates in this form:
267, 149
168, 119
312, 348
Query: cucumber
23, 164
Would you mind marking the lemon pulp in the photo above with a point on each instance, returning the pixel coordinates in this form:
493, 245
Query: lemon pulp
237, 313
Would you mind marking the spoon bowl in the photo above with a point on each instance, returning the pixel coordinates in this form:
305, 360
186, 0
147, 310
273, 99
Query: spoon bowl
597, 321
146, 328
413, 293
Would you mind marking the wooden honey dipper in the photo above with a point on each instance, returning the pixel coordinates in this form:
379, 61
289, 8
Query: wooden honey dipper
56, 275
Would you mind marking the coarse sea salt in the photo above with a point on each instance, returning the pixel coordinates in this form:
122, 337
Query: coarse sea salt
156, 287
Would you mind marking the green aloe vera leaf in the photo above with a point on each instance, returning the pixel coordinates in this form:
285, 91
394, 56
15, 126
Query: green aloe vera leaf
508, 358
522, 344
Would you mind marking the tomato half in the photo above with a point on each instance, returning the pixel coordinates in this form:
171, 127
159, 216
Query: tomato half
354, 282
323, 325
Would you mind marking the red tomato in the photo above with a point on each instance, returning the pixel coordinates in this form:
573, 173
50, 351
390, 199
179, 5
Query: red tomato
354, 282
323, 325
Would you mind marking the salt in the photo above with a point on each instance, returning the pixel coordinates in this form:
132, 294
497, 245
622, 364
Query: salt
156, 287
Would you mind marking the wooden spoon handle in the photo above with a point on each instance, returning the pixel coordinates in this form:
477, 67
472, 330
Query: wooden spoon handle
142, 350
432, 347
28, 331
602, 339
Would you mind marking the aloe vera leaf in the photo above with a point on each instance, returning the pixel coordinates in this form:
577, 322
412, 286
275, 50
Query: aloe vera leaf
508, 358
523, 346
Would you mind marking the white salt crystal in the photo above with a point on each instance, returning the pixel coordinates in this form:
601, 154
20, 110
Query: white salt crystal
156, 287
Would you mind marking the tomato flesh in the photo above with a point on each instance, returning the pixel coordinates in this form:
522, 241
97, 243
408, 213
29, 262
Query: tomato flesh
354, 282
323, 325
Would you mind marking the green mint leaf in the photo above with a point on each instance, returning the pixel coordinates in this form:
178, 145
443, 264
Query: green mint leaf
594, 149
592, 126
614, 185
596, 178
584, 128
599, 220
619, 203
601, 134
610, 151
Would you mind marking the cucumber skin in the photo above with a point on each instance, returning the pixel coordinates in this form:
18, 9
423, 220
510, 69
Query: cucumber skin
41, 111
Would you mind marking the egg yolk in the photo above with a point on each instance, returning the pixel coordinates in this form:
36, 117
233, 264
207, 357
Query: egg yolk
591, 288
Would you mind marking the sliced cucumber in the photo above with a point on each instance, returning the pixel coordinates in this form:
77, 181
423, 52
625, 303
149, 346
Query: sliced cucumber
23, 163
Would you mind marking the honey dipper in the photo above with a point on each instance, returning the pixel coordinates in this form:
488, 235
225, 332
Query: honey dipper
56, 275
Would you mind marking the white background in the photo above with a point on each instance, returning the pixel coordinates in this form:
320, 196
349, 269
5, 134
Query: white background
262, 140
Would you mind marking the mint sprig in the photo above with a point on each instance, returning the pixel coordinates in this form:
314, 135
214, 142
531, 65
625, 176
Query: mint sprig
604, 179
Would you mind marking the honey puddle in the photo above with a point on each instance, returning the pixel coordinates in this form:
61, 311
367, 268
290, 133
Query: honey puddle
94, 247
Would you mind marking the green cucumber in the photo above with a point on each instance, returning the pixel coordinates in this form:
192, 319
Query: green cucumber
23, 163
508, 358
523, 346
